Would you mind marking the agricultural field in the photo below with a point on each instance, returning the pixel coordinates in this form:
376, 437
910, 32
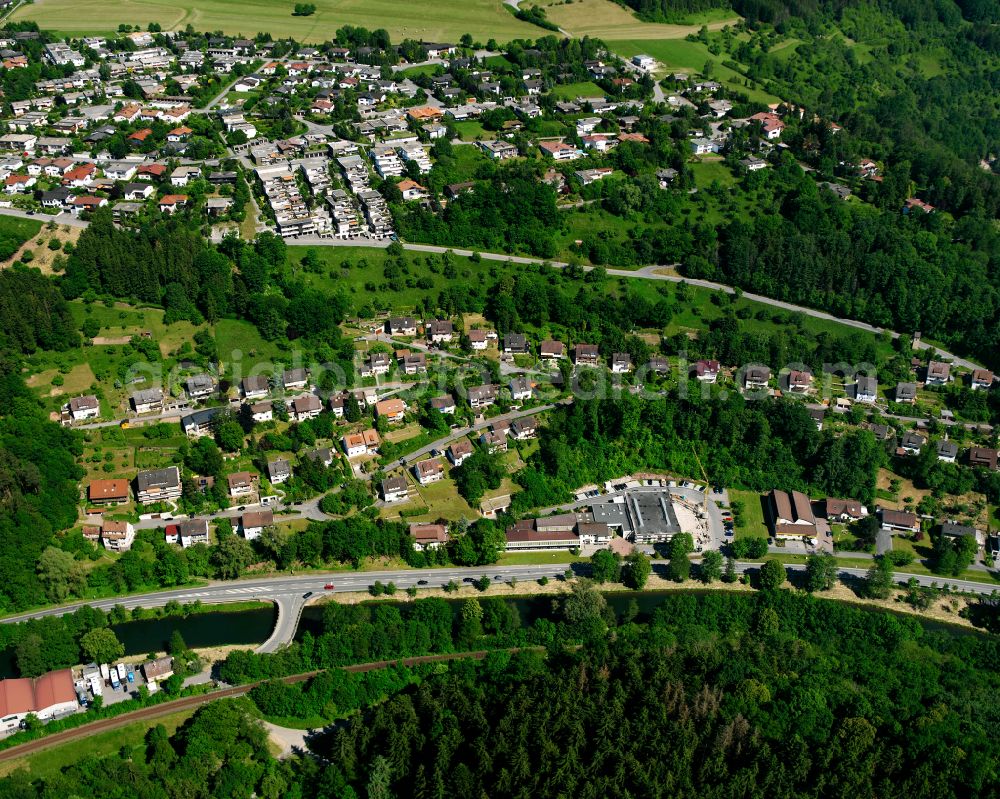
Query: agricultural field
428, 20
606, 19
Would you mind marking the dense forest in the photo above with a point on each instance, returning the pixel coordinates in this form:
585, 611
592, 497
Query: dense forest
755, 445
723, 695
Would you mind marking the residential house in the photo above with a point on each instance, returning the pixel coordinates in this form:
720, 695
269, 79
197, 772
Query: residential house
395, 489
241, 484
707, 371
799, 381
201, 423
955, 531
981, 378
911, 443
428, 536
252, 523
756, 378
364, 443
621, 362
148, 400
293, 379
193, 531
81, 408
200, 386
117, 536
899, 521
107, 492
520, 389
560, 150
444, 404
159, 669
586, 355
938, 373
414, 363
440, 331
906, 393
482, 396
429, 471
791, 514
478, 339
947, 450
278, 471
392, 409
460, 451
411, 190
982, 456
843, 510
551, 350
255, 387
170, 203
401, 326
307, 407
866, 390
322, 455
515, 344
158, 485
494, 441
262, 411
524, 429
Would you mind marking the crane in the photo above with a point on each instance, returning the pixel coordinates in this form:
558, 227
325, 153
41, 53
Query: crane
704, 476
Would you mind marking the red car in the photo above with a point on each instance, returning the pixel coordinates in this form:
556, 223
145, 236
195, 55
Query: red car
328, 587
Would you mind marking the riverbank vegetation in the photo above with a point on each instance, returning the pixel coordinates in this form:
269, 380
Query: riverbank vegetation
774, 690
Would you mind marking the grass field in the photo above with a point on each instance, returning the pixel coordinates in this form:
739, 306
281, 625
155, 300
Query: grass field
753, 514
470, 130
49, 762
570, 91
14, 231
606, 19
680, 54
428, 20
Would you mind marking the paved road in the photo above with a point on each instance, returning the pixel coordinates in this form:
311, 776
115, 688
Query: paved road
651, 272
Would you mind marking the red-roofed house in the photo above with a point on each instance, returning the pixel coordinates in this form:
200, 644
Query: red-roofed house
171, 202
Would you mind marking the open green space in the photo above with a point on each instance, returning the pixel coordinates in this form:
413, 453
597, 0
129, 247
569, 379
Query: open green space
50, 762
691, 57
470, 130
14, 231
570, 91
427, 20
751, 520
606, 19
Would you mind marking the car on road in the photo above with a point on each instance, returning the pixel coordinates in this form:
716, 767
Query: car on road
328, 587
498, 577
307, 594
242, 507
421, 582
467, 580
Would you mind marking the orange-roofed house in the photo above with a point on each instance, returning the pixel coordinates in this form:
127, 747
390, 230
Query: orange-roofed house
411, 190
391, 409
424, 113
80, 176
171, 202
179, 134
141, 135
106, 492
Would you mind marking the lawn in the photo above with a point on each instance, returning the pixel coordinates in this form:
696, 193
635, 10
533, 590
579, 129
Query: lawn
538, 558
753, 514
707, 172
443, 502
426, 20
606, 19
470, 130
241, 345
680, 54
570, 91
49, 762
14, 231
